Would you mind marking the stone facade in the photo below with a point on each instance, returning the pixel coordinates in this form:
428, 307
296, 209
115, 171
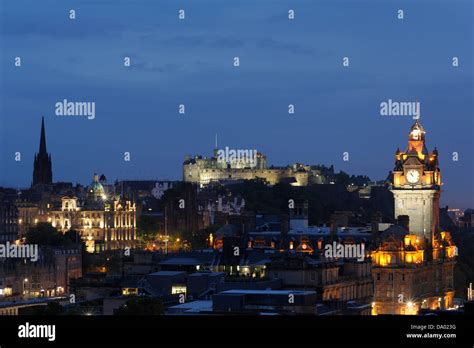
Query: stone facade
413, 261
332, 280
416, 184
49, 276
104, 220
110, 224
202, 171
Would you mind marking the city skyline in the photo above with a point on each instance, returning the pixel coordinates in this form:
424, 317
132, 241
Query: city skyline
43, 143
199, 163
337, 109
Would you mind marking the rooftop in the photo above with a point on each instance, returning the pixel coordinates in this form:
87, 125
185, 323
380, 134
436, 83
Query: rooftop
267, 292
182, 261
192, 307
166, 273
322, 230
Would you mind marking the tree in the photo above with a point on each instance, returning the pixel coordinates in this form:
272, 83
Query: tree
147, 228
343, 178
72, 236
44, 234
199, 239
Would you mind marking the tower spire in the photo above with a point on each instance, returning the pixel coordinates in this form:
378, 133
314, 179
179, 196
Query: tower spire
416, 138
42, 172
42, 147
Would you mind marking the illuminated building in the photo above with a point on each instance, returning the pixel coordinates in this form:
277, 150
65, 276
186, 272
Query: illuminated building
103, 220
201, 170
49, 276
333, 280
416, 184
413, 262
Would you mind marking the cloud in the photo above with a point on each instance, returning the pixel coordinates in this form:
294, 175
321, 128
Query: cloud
87, 28
147, 66
270, 43
184, 41
227, 42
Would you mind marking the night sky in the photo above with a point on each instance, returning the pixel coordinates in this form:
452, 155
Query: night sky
191, 62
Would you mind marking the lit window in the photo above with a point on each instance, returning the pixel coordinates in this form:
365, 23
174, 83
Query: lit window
178, 289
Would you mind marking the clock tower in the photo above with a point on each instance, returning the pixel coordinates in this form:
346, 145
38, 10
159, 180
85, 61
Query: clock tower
416, 185
413, 261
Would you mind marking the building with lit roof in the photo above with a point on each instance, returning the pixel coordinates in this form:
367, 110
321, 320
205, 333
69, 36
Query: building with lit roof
413, 262
105, 221
202, 170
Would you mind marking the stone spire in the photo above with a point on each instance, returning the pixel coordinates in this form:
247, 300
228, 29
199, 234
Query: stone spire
42, 172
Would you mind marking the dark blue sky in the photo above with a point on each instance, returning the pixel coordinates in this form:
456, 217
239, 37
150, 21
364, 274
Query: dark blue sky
190, 62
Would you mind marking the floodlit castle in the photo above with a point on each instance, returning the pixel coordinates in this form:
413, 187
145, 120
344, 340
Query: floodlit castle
413, 261
234, 165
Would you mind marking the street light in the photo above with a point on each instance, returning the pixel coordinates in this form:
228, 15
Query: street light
166, 230
24, 282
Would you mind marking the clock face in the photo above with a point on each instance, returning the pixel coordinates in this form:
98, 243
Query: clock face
413, 176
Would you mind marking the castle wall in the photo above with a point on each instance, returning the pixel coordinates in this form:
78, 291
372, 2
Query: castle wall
203, 174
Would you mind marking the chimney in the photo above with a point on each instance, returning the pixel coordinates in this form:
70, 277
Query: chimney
284, 226
404, 221
376, 219
333, 227
284, 222
299, 215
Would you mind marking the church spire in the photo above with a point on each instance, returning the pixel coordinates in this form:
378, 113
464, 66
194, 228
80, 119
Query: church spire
42, 147
42, 172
